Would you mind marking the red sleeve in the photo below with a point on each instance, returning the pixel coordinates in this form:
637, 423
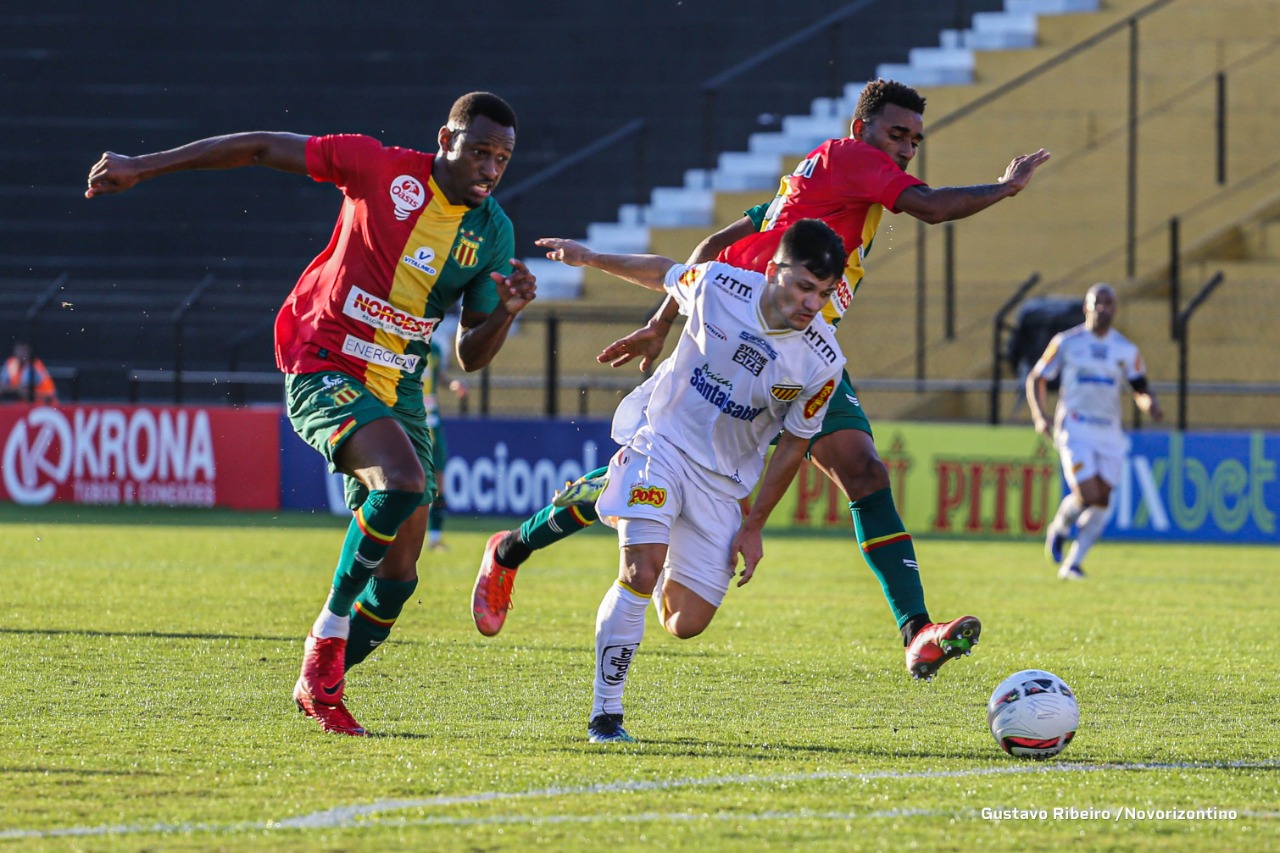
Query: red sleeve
868, 174
338, 159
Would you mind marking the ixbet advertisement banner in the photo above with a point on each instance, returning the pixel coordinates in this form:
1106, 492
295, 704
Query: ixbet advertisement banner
1005, 482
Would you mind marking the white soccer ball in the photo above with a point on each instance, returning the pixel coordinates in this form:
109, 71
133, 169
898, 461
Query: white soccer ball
1033, 714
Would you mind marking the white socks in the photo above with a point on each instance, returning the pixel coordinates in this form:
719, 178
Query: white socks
1068, 511
1089, 530
330, 624
619, 630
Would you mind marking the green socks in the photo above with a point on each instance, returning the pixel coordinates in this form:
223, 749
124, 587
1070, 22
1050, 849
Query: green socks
373, 614
887, 548
372, 530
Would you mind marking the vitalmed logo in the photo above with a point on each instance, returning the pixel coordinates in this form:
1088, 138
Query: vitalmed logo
111, 456
407, 194
421, 260
381, 314
716, 332
374, 354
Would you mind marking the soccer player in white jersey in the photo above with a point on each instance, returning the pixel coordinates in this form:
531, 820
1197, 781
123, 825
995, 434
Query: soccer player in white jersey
751, 360
1094, 362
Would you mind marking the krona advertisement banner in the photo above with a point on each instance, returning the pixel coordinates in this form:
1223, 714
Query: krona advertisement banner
140, 455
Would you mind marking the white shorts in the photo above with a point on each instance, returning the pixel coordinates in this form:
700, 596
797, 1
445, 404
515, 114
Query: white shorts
648, 502
1087, 452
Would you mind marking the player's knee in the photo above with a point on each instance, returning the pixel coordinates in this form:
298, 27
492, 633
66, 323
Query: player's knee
682, 627
406, 478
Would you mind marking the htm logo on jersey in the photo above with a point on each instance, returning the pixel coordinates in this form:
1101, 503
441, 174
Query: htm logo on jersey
817, 401
786, 391
730, 285
407, 194
467, 250
654, 496
421, 260
818, 343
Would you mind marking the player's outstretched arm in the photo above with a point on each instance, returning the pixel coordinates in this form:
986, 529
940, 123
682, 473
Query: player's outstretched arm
945, 204
782, 468
646, 343
480, 336
114, 173
645, 270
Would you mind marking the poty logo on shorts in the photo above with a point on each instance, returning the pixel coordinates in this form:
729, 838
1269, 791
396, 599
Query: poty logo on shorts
407, 194
654, 496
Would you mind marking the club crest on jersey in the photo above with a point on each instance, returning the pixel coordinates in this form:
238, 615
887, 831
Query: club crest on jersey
786, 391
817, 401
407, 194
654, 496
467, 250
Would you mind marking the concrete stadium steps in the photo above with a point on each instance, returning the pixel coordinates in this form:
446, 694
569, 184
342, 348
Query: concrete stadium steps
1070, 225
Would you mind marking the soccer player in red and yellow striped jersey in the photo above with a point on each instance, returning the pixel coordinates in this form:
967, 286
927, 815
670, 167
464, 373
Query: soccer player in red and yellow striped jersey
417, 233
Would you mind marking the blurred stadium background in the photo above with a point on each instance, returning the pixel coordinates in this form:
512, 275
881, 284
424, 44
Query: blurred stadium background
644, 126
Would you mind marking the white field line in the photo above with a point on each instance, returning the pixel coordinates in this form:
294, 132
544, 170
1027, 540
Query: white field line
356, 815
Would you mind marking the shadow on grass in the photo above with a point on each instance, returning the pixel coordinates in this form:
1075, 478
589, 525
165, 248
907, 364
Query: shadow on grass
77, 771
161, 635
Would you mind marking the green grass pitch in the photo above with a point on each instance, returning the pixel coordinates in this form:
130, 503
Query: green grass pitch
149, 658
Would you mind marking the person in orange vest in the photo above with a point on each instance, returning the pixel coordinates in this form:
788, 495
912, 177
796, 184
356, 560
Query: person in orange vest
26, 378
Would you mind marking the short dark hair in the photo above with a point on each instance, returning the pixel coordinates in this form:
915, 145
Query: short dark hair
879, 94
812, 244
486, 104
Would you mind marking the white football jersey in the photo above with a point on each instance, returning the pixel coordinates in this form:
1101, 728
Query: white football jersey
1094, 371
731, 384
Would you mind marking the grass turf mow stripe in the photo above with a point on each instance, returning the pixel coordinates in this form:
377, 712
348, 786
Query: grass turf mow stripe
349, 816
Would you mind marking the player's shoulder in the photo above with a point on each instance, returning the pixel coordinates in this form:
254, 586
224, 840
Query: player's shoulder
724, 280
821, 344
1075, 334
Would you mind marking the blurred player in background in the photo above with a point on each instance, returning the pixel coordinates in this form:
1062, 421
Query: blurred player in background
432, 377
753, 359
1094, 362
417, 233
848, 183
